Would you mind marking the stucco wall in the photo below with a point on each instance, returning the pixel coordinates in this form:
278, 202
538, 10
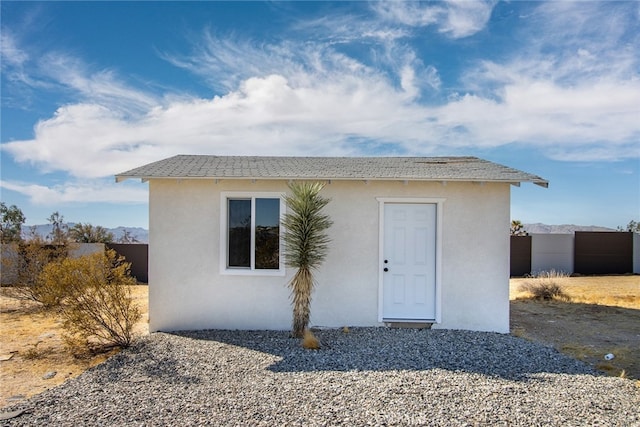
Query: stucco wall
187, 290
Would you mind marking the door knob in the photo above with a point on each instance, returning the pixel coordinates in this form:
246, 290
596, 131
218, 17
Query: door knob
386, 269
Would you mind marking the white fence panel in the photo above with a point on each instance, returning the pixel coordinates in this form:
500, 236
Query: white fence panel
636, 253
552, 252
76, 250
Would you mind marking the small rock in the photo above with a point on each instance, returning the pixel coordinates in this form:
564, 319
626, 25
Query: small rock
4, 416
49, 375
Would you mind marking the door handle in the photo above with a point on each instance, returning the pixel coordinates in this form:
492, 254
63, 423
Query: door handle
386, 269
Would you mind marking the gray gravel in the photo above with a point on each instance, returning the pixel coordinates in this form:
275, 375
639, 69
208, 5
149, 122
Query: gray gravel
370, 376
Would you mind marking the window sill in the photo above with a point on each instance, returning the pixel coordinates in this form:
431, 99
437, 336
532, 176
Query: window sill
248, 272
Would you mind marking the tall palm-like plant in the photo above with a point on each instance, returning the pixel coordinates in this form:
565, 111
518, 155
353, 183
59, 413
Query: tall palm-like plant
306, 245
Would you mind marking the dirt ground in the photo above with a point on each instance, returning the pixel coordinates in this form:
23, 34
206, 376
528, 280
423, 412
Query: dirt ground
603, 318
32, 349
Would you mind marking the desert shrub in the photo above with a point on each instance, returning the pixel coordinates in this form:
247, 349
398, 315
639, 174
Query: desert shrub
309, 341
34, 352
98, 305
32, 257
545, 286
552, 274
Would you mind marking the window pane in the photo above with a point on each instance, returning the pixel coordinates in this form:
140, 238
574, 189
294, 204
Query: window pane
239, 223
267, 234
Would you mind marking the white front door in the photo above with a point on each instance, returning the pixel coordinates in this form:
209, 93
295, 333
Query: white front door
409, 262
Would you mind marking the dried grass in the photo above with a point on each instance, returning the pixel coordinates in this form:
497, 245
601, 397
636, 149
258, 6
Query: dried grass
601, 318
615, 291
545, 286
34, 353
27, 330
309, 341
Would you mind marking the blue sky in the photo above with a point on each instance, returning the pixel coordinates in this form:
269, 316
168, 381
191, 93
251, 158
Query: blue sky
90, 89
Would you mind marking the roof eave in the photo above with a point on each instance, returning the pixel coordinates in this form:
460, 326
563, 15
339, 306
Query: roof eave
120, 178
539, 182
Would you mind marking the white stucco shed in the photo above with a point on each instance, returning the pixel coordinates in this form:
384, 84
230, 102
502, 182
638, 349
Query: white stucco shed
414, 240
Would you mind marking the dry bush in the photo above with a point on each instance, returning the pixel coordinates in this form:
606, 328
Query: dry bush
98, 304
309, 341
33, 352
545, 286
31, 258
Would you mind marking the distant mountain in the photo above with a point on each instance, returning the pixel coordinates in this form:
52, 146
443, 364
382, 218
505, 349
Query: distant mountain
539, 228
142, 234
138, 233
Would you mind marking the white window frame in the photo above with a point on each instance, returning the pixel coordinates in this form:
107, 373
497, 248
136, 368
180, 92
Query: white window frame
225, 196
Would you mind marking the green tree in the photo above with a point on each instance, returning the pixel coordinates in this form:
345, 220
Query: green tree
631, 226
59, 229
87, 233
306, 245
11, 221
517, 229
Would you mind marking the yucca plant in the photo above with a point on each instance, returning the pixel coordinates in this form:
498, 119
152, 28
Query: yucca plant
306, 245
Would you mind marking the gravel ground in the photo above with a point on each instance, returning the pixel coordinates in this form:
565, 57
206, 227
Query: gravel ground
369, 376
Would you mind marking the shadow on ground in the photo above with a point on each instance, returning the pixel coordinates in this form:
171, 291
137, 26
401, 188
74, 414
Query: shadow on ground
382, 349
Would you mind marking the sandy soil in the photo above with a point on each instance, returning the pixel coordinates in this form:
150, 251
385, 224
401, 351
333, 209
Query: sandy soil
31, 348
602, 318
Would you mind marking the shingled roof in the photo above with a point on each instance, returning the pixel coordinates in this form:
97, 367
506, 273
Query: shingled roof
331, 168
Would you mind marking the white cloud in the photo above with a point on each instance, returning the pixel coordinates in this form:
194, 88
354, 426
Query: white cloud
13, 65
103, 87
85, 140
411, 13
12, 55
305, 98
323, 100
465, 18
98, 191
57, 71
263, 116
563, 121
345, 28
325, 116
456, 18
573, 89
225, 63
